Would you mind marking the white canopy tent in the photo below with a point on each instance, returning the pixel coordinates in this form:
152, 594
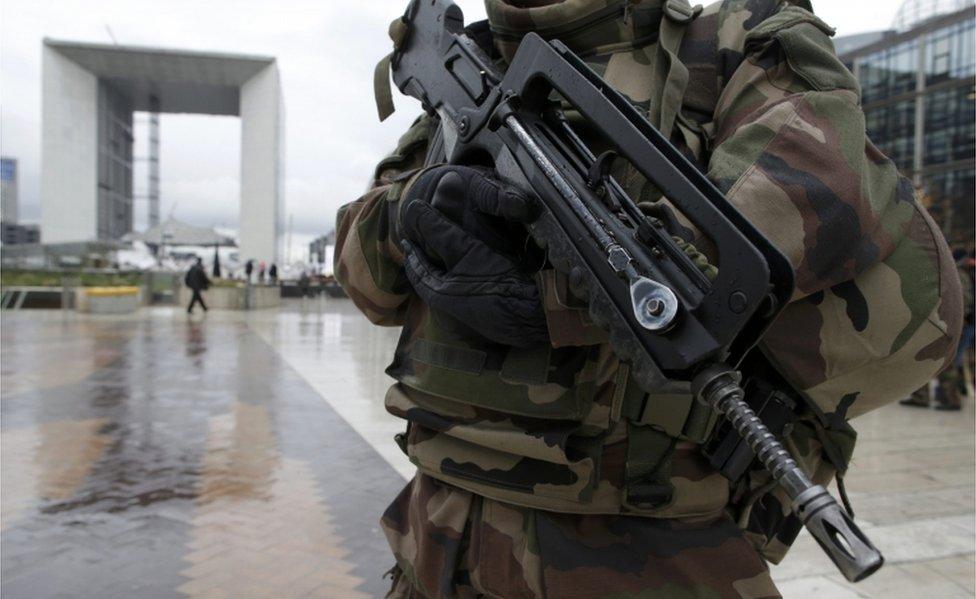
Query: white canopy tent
174, 232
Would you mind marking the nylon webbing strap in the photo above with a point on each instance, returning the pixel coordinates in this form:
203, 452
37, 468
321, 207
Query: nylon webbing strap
382, 91
648, 470
670, 77
381, 87
679, 416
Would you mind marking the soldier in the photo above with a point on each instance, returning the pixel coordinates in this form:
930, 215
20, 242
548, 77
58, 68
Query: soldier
543, 470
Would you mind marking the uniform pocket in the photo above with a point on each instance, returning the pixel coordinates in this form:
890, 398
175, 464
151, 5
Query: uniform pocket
509, 465
805, 42
538, 382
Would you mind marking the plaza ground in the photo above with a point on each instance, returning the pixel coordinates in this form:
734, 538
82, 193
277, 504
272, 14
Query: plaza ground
239, 455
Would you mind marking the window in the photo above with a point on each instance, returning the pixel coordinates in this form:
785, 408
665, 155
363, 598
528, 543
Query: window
950, 53
950, 130
889, 72
892, 129
949, 197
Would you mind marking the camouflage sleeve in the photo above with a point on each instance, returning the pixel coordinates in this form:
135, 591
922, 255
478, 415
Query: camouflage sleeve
368, 265
876, 312
790, 150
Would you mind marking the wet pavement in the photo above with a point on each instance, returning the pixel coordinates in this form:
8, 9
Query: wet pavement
154, 456
249, 455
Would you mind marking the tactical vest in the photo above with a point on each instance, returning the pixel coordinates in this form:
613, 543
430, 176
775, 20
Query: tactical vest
563, 427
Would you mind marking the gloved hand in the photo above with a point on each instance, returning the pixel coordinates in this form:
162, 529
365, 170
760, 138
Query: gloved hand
481, 205
461, 234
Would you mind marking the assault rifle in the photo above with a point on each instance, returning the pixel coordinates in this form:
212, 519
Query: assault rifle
671, 323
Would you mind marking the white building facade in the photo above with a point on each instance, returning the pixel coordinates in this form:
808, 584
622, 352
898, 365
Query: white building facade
89, 92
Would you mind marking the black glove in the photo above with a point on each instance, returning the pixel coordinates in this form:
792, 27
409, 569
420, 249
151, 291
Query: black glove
488, 209
461, 234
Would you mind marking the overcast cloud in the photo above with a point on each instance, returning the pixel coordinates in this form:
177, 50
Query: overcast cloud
326, 50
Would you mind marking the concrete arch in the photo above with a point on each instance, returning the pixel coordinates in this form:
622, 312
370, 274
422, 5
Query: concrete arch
89, 92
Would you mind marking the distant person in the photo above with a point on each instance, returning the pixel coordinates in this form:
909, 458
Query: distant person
968, 338
273, 273
950, 386
248, 270
196, 279
304, 284
261, 270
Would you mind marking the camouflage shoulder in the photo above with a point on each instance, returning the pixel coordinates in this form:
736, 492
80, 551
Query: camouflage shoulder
727, 22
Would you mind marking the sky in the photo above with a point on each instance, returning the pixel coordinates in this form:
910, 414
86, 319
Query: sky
326, 51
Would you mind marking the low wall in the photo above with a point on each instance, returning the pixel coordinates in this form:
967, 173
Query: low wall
108, 300
265, 296
233, 298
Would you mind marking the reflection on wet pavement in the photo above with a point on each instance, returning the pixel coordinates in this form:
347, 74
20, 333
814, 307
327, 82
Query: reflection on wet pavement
260, 525
49, 462
159, 456
250, 455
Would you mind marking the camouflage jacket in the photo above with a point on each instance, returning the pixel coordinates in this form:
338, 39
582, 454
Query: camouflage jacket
773, 118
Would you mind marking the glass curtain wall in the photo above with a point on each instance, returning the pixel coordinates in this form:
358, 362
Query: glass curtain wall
920, 109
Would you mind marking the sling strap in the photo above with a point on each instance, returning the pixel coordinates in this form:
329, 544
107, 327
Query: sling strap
648, 469
382, 91
668, 81
669, 75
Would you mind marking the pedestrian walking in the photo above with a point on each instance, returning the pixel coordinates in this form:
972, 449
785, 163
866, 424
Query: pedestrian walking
196, 279
248, 270
303, 284
273, 273
262, 269
966, 342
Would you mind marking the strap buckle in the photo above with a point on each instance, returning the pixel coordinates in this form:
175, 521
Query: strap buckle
679, 416
681, 12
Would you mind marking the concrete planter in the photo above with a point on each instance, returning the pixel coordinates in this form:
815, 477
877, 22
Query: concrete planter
235, 298
108, 300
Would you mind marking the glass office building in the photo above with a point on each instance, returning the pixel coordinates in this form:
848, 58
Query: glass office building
918, 89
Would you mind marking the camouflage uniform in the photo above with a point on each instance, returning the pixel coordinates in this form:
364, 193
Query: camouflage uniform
529, 458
